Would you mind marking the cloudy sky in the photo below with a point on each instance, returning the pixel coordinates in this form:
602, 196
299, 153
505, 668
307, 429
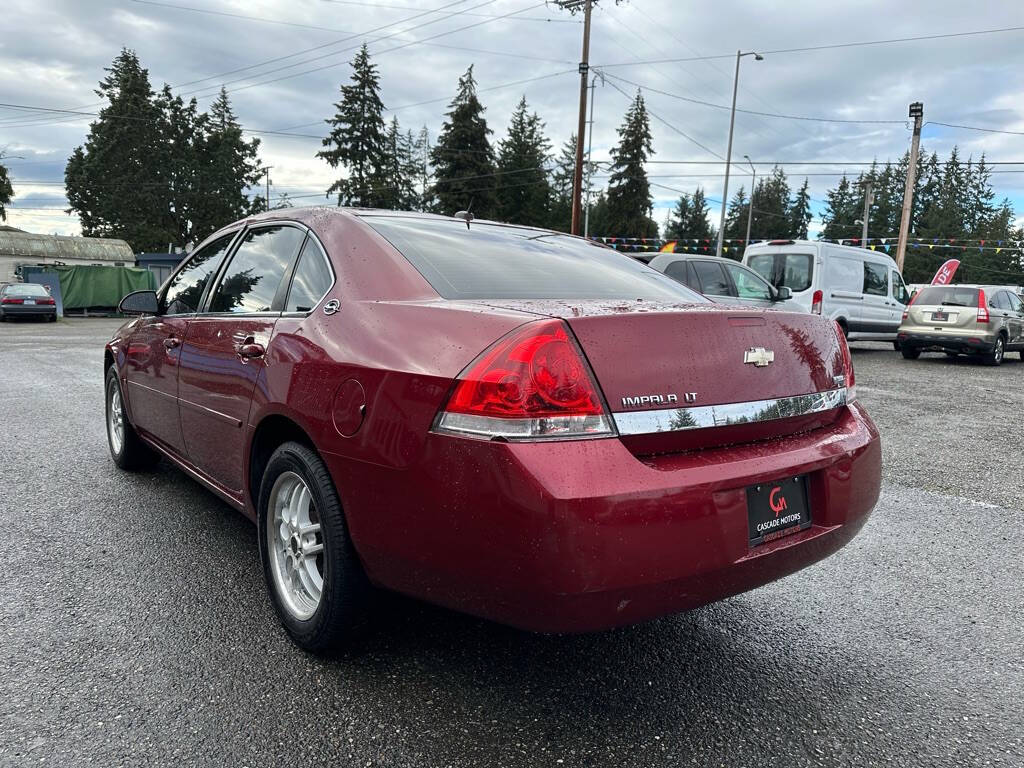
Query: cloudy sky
283, 60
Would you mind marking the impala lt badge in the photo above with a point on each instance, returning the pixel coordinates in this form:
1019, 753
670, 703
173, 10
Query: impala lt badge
672, 399
759, 356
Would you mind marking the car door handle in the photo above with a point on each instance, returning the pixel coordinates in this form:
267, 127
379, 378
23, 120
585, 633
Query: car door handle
172, 342
251, 349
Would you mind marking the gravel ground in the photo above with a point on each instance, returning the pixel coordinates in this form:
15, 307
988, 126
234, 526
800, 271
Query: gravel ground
135, 629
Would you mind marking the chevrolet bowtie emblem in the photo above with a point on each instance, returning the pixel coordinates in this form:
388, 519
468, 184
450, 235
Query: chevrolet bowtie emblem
759, 356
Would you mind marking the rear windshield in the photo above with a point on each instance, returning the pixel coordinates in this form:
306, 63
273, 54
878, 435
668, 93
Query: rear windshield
950, 295
793, 270
488, 261
25, 289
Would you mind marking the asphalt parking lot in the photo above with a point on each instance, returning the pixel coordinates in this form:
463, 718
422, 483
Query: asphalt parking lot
136, 631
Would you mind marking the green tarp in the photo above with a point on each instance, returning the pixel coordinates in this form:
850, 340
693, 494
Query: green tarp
98, 286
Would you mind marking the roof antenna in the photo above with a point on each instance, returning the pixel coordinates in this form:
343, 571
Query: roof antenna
467, 214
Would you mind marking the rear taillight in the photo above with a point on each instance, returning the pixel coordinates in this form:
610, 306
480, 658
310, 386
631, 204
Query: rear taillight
982, 307
847, 362
906, 312
816, 298
8, 300
534, 384
47, 301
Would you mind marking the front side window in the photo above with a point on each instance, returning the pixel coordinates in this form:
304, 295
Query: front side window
185, 290
899, 289
311, 281
253, 277
712, 278
1000, 301
876, 279
492, 261
1015, 303
748, 284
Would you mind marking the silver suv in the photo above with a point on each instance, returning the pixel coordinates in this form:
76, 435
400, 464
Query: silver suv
983, 321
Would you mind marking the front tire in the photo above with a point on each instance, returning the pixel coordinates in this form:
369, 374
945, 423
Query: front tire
313, 574
910, 353
126, 447
995, 357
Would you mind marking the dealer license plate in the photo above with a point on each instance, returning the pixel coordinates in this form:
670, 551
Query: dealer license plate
777, 509
940, 317
30, 301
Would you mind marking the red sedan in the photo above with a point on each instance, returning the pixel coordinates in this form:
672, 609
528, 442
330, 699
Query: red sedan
508, 421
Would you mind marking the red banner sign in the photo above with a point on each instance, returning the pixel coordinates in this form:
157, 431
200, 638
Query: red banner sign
946, 272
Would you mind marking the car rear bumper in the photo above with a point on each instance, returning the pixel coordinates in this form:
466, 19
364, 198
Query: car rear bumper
950, 341
20, 310
581, 536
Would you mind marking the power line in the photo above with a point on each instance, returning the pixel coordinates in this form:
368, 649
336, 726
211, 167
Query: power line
755, 112
550, 19
832, 46
976, 128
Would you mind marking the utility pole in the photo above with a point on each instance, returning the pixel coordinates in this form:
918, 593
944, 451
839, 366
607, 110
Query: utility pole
728, 153
750, 206
590, 146
577, 181
868, 199
916, 112
266, 171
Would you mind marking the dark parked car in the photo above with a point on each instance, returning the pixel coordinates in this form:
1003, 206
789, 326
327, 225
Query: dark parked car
508, 421
27, 300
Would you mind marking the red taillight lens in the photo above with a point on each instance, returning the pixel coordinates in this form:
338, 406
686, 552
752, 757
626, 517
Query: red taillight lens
816, 298
7, 300
906, 312
847, 362
982, 307
532, 384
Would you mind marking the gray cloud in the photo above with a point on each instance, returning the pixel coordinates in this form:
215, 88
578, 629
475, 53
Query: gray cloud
53, 54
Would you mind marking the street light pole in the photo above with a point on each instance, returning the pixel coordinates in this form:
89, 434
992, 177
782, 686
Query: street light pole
728, 153
750, 206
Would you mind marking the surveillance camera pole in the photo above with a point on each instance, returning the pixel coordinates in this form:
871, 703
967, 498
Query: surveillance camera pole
916, 112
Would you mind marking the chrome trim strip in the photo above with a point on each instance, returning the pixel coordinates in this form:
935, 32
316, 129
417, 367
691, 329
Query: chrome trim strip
705, 416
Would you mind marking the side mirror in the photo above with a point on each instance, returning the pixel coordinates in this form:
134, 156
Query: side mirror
783, 293
139, 303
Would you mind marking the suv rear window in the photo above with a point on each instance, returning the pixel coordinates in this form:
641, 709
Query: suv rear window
950, 295
793, 270
489, 261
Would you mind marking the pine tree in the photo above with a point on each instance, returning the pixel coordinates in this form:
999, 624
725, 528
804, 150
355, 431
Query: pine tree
772, 207
679, 219
114, 181
420, 157
736, 215
356, 141
228, 166
629, 192
697, 224
6, 191
398, 172
523, 189
182, 129
841, 211
561, 187
800, 213
463, 158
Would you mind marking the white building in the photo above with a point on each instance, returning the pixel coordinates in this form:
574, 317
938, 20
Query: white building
18, 248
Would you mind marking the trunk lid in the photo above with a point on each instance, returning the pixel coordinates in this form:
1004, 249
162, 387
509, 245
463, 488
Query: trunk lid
643, 353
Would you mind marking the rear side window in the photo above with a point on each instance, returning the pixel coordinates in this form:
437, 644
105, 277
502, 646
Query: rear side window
488, 261
793, 270
949, 295
1016, 304
677, 271
876, 279
253, 277
185, 290
1001, 301
312, 279
712, 278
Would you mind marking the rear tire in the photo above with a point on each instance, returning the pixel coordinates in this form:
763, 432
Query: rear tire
896, 346
995, 357
126, 447
313, 574
909, 353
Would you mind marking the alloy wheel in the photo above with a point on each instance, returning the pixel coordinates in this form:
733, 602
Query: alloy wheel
295, 545
115, 419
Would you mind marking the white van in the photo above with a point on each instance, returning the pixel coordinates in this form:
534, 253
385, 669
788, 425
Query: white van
862, 290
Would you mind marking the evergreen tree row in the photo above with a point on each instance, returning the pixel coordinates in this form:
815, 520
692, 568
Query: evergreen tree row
516, 179
154, 169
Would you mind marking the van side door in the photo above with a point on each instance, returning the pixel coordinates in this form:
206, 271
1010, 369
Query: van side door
876, 314
842, 287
